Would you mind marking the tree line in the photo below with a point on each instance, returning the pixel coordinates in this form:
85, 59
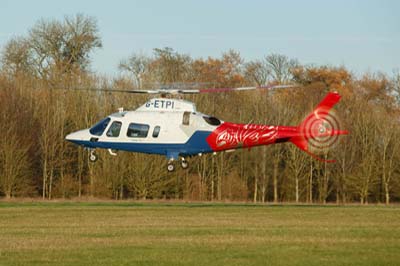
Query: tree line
40, 105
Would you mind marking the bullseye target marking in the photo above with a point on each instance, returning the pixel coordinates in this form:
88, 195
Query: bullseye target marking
319, 130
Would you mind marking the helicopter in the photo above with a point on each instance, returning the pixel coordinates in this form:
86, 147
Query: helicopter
174, 128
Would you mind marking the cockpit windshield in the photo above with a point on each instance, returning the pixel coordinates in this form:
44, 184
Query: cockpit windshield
99, 128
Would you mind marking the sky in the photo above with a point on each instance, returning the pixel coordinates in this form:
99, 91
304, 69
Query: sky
362, 35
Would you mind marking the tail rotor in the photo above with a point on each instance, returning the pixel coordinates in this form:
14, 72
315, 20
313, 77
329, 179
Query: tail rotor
320, 131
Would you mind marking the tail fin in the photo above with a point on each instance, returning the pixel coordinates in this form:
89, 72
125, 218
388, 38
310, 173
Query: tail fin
319, 130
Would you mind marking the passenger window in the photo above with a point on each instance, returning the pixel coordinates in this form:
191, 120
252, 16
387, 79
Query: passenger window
186, 118
156, 131
99, 128
114, 129
137, 130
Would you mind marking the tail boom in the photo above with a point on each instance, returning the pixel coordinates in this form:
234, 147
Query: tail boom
318, 128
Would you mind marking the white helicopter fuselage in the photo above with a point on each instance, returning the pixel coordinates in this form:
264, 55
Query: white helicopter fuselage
170, 127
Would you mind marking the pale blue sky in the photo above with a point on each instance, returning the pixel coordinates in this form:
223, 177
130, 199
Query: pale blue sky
363, 35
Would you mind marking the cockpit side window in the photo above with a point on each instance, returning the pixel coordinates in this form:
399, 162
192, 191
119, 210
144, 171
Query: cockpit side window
99, 128
114, 129
212, 120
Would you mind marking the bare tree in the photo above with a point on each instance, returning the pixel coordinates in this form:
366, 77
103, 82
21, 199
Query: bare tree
63, 46
145, 178
16, 123
395, 84
170, 66
366, 133
16, 57
49, 142
281, 67
80, 39
258, 72
14, 162
297, 168
389, 147
137, 65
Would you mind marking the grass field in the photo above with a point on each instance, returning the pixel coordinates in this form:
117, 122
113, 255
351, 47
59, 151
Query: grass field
197, 234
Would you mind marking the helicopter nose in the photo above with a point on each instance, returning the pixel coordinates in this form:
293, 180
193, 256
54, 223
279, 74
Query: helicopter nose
78, 136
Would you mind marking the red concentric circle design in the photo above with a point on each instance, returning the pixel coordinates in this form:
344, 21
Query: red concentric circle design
319, 130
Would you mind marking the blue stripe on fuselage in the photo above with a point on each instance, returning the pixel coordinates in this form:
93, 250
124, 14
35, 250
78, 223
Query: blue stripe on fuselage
196, 144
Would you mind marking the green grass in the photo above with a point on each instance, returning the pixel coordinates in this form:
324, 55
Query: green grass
126, 233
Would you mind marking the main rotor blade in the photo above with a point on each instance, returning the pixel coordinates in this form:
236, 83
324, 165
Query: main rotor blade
117, 90
266, 87
190, 91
